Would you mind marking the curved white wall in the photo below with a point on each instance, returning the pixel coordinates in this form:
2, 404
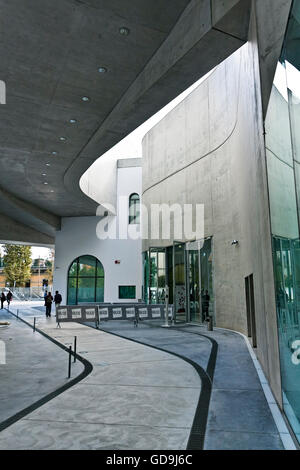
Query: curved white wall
78, 236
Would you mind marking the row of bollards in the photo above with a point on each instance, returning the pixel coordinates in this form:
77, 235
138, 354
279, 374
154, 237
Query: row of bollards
70, 356
71, 353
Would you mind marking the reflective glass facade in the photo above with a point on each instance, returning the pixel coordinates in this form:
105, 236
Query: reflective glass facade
283, 164
187, 270
85, 281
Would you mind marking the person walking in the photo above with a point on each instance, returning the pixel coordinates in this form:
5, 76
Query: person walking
48, 304
9, 298
205, 306
3, 299
57, 299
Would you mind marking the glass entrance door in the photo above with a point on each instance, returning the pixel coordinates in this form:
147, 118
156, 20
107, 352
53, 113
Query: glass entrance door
180, 303
193, 274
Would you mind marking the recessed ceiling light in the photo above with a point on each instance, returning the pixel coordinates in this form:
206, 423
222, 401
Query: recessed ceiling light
52, 191
45, 182
85, 98
47, 164
72, 121
102, 69
54, 153
63, 139
44, 174
124, 31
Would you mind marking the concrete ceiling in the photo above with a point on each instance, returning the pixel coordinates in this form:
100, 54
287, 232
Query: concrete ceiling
50, 54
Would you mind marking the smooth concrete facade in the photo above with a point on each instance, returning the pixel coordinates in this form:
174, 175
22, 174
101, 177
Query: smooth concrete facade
210, 150
79, 236
45, 119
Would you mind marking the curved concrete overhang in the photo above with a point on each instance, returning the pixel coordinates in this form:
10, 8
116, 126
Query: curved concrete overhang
51, 53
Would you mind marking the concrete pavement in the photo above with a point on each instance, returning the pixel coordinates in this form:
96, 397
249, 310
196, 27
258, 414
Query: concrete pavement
131, 400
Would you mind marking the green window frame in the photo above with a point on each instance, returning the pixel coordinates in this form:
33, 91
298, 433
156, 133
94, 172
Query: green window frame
85, 281
127, 292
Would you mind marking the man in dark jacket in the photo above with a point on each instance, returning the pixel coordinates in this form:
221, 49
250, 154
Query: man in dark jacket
3, 299
57, 299
9, 297
48, 304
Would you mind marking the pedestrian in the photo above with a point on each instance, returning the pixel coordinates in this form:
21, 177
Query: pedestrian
3, 299
9, 298
48, 304
57, 299
205, 306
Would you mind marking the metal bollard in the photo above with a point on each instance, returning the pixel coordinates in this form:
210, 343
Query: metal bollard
18, 314
70, 362
75, 347
34, 320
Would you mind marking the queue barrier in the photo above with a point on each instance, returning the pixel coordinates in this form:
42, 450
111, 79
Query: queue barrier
98, 313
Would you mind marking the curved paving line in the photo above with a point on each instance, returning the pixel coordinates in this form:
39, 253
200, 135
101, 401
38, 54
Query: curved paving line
197, 434
214, 351
87, 370
198, 430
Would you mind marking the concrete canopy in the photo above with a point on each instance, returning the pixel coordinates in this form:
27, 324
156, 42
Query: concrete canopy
51, 51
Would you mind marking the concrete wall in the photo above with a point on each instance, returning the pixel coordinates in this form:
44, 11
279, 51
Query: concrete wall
78, 236
210, 150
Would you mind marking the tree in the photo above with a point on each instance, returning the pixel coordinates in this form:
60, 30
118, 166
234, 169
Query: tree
17, 264
50, 264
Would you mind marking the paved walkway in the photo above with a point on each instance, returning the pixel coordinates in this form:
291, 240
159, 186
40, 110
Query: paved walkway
131, 400
238, 414
35, 367
140, 397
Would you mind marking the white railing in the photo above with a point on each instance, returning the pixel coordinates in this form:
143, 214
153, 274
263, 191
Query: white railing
26, 293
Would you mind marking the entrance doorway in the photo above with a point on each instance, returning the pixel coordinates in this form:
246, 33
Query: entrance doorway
186, 268
251, 323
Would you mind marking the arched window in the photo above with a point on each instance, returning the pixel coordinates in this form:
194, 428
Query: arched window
134, 209
85, 281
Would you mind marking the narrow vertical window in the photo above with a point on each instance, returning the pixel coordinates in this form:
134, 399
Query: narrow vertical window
134, 209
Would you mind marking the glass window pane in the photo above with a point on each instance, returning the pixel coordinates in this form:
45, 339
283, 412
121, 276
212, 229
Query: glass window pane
100, 269
153, 269
134, 209
84, 286
146, 276
283, 165
87, 266
86, 290
170, 272
194, 285
127, 292
100, 289
73, 269
206, 279
180, 288
72, 291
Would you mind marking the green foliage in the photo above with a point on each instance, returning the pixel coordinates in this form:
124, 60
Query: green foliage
17, 264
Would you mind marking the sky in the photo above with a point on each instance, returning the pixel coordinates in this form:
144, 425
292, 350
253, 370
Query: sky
131, 146
36, 252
